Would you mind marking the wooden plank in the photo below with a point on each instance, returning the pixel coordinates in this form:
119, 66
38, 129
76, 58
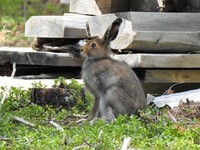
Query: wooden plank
145, 21
170, 60
172, 76
98, 7
30, 57
165, 41
27, 56
160, 60
68, 26
152, 32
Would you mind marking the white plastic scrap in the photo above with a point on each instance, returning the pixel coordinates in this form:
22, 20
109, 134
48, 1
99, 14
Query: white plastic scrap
173, 100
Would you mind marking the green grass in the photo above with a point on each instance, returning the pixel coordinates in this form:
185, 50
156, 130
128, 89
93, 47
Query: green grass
13, 18
151, 131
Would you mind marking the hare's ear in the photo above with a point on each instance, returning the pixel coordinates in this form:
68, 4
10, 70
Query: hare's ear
112, 31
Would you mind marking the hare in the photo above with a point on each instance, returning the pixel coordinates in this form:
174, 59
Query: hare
114, 85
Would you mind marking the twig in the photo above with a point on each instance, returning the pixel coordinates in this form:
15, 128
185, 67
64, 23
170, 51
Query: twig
126, 143
81, 120
78, 116
57, 126
8, 139
195, 132
172, 117
8, 89
172, 87
22, 121
100, 133
80, 147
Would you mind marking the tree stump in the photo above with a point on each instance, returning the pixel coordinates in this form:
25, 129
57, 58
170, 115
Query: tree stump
57, 97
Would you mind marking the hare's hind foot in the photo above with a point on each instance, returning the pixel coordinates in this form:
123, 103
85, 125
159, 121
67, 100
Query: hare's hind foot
106, 115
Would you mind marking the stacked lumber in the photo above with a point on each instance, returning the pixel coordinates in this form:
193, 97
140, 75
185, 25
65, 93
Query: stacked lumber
161, 43
140, 31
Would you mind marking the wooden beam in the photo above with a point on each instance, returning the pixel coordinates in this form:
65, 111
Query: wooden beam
152, 32
172, 76
98, 7
27, 56
68, 26
160, 60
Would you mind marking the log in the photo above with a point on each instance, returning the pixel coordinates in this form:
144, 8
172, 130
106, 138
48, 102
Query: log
98, 7
151, 32
173, 100
57, 97
68, 26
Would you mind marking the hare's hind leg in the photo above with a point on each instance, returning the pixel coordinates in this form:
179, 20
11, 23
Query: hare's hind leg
95, 113
106, 111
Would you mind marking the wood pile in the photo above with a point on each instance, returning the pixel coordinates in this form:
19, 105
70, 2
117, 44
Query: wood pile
163, 45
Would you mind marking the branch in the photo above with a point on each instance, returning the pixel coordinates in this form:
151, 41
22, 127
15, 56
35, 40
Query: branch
8, 139
57, 126
173, 119
15, 118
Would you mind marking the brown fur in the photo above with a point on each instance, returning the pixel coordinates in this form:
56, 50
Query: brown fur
114, 85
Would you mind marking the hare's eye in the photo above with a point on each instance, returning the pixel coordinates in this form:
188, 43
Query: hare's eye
93, 45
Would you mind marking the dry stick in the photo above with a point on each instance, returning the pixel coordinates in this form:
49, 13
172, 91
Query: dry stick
8, 89
8, 139
22, 121
195, 132
126, 143
172, 87
57, 126
172, 117
81, 120
175, 85
80, 147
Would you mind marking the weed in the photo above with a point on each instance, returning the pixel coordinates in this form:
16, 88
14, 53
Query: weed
153, 130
